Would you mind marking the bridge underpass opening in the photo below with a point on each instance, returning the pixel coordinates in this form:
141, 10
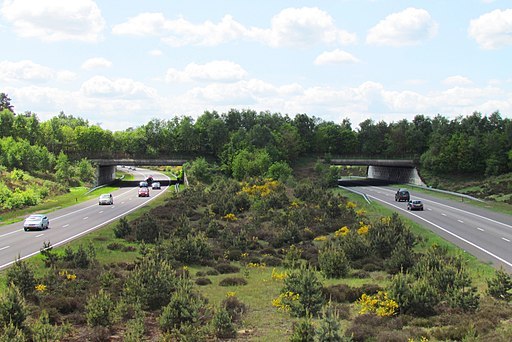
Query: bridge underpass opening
402, 175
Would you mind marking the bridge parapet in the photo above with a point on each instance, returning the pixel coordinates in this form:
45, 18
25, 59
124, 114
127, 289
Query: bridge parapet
137, 162
374, 162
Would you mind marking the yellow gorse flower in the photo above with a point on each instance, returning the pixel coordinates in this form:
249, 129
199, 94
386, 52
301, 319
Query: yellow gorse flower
230, 217
342, 231
230, 294
278, 275
321, 238
350, 205
40, 287
379, 304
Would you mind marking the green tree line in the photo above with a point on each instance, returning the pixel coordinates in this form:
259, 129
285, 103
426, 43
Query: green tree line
475, 144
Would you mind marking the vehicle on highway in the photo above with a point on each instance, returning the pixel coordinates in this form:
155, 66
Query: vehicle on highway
36, 222
415, 205
155, 185
107, 199
143, 184
149, 180
402, 195
144, 192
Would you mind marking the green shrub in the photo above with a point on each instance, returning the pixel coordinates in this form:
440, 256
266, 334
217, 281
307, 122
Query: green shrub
185, 307
223, 326
11, 333
12, 307
306, 284
43, 331
122, 228
303, 330
333, 262
22, 276
147, 230
100, 310
151, 282
329, 329
500, 287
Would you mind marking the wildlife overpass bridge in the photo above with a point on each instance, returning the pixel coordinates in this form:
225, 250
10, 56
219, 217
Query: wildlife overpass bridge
106, 168
393, 170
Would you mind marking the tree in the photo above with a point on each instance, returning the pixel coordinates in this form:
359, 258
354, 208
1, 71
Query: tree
5, 103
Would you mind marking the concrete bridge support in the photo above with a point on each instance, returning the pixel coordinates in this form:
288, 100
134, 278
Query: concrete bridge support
395, 174
105, 174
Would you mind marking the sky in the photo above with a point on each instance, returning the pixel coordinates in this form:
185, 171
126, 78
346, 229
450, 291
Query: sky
122, 63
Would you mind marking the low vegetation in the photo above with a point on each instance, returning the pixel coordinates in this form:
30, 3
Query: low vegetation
255, 260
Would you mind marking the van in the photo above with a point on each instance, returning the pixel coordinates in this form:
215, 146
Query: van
402, 195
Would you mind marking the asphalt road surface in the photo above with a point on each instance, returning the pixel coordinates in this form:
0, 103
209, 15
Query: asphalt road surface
75, 221
480, 232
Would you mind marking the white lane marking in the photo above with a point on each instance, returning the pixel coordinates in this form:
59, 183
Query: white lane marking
101, 212
14, 231
480, 229
39, 235
66, 225
429, 209
85, 218
2, 248
460, 221
454, 208
443, 214
90, 229
449, 232
505, 239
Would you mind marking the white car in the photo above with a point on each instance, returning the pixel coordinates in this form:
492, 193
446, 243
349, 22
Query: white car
36, 221
155, 185
106, 199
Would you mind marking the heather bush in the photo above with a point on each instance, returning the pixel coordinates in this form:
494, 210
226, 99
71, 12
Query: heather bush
225, 268
235, 308
233, 281
203, 281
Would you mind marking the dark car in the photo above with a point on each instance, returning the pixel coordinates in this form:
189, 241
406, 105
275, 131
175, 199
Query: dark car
415, 205
402, 195
36, 222
149, 180
144, 192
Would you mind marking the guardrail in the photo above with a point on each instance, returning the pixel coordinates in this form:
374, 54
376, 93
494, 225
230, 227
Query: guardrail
367, 199
448, 192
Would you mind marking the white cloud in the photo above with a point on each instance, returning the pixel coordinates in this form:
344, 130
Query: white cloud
291, 27
302, 27
211, 71
408, 27
96, 62
100, 86
66, 75
55, 20
335, 57
155, 53
24, 71
492, 30
457, 81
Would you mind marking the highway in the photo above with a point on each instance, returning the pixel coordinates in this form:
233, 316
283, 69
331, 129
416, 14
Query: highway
483, 233
75, 221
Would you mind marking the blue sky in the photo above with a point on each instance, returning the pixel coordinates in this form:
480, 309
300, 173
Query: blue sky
121, 63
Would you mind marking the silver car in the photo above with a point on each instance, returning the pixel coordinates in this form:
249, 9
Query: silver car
36, 222
155, 185
106, 199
